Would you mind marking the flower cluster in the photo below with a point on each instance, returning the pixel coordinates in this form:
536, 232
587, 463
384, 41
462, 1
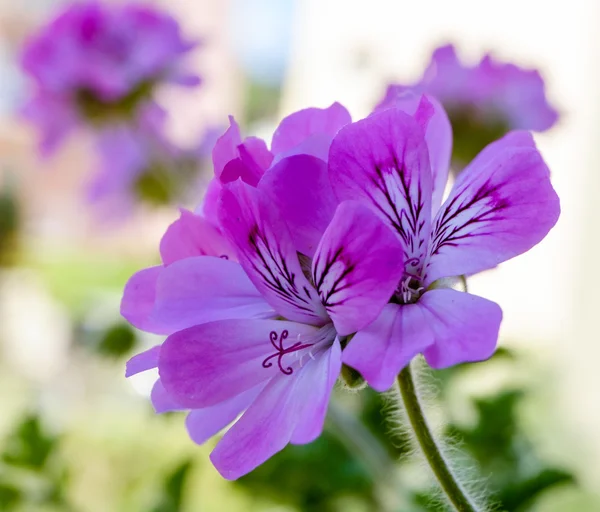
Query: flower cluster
332, 248
484, 102
97, 66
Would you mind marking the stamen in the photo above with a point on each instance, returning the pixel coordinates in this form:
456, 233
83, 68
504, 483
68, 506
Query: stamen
277, 342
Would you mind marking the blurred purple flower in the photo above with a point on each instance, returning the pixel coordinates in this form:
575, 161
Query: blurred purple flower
99, 61
501, 205
483, 102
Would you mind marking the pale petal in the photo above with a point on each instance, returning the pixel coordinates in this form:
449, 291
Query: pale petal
357, 267
202, 424
205, 288
212, 362
138, 300
383, 161
299, 187
500, 206
161, 400
143, 361
192, 235
276, 417
382, 349
267, 253
299, 126
465, 327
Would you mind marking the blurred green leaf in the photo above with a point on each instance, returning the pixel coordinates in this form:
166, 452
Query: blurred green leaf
117, 341
172, 494
10, 496
29, 446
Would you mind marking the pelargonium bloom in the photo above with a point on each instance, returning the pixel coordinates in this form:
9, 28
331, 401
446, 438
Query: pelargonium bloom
288, 365
484, 101
500, 206
99, 61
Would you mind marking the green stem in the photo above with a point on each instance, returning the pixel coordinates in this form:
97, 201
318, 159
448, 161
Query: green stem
453, 490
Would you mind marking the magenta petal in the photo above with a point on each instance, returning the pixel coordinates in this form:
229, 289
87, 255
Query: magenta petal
383, 161
500, 206
299, 126
161, 400
192, 235
357, 267
318, 379
316, 145
299, 187
383, 348
226, 146
202, 424
138, 301
143, 361
253, 150
465, 327
205, 288
266, 251
212, 362
275, 417
209, 206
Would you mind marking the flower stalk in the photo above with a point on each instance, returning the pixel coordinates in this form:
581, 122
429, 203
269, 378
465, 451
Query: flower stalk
454, 492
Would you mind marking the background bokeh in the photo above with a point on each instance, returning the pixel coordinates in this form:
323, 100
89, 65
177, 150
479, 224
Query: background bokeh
75, 435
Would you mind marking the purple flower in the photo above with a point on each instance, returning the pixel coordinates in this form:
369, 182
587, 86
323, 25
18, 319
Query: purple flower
484, 102
500, 206
287, 364
96, 62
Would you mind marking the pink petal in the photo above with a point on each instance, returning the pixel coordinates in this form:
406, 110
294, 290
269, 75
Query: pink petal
138, 301
143, 361
202, 424
465, 327
225, 148
357, 267
299, 126
383, 161
192, 235
205, 288
209, 207
209, 363
161, 400
290, 407
316, 145
500, 206
299, 187
267, 253
383, 348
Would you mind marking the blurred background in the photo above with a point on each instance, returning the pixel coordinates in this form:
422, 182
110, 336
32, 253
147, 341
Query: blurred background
75, 435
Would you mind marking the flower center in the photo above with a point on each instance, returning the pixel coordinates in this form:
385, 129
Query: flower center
409, 290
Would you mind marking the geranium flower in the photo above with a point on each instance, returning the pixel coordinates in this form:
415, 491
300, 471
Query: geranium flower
500, 206
484, 101
291, 363
99, 60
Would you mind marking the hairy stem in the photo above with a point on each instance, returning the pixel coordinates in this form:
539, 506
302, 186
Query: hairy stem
441, 468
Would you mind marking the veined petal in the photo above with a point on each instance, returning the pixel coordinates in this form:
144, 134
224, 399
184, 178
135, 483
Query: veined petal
383, 348
203, 289
267, 253
138, 300
383, 160
500, 206
202, 424
299, 126
276, 417
299, 187
192, 235
357, 267
161, 400
209, 363
438, 134
465, 327
143, 361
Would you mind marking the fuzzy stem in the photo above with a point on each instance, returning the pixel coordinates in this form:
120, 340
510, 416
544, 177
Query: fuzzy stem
451, 488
